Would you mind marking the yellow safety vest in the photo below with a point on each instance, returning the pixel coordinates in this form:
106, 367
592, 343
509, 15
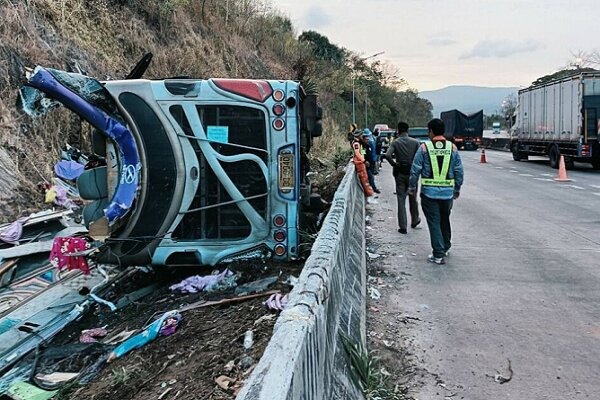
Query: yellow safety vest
439, 175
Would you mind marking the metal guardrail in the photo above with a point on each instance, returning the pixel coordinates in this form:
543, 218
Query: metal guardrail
305, 358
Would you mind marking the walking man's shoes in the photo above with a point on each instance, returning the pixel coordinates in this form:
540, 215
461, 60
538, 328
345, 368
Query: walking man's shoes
416, 224
377, 190
403, 231
436, 260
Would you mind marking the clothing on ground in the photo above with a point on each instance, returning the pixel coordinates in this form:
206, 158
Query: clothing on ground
63, 247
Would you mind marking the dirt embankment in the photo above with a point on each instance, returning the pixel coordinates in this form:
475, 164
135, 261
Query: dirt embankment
104, 39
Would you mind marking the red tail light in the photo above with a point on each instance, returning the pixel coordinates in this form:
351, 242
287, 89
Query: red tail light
279, 221
252, 89
278, 109
278, 95
280, 250
279, 124
279, 236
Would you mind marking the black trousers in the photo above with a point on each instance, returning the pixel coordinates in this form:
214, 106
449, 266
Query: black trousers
437, 213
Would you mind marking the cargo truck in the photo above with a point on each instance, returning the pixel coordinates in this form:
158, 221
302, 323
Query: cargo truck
465, 130
560, 117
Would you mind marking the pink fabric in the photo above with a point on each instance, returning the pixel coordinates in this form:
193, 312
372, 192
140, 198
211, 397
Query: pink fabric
91, 335
13, 232
62, 247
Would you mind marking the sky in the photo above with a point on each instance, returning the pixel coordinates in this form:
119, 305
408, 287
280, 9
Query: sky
439, 43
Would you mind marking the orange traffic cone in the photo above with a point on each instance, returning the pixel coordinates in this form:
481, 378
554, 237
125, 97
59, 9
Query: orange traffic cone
562, 171
482, 159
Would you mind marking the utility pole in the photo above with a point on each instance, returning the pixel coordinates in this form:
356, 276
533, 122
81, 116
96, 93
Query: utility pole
353, 94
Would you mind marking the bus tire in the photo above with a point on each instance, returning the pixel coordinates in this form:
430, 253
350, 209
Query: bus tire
596, 163
554, 155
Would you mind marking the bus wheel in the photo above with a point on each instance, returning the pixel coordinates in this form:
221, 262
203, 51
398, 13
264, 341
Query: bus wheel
554, 155
596, 163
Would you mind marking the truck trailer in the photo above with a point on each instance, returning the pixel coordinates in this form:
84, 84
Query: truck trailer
559, 118
464, 130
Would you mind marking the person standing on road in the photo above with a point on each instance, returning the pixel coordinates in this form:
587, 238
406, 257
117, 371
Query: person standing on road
370, 158
400, 155
438, 164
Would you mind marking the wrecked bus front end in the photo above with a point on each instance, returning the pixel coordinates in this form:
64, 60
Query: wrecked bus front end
198, 171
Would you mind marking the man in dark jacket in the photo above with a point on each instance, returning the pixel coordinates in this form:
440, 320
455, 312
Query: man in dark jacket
400, 155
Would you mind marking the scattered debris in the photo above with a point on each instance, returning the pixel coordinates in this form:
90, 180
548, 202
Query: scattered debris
195, 284
203, 303
12, 233
374, 309
373, 256
277, 302
91, 335
374, 293
165, 325
68, 169
163, 394
26, 391
248, 340
61, 255
257, 286
225, 382
291, 280
268, 317
503, 379
56, 378
119, 337
229, 366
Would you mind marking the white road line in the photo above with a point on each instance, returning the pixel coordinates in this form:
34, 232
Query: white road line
503, 168
525, 175
546, 175
595, 187
597, 194
543, 179
514, 172
576, 187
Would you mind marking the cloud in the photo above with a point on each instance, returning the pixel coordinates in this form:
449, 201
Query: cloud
316, 17
442, 42
500, 48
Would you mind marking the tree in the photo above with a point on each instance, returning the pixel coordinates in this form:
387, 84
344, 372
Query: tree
323, 49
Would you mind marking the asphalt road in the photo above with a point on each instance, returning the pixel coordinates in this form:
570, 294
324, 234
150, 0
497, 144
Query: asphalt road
522, 283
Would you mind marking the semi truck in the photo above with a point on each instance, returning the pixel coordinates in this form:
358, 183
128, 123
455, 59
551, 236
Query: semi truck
559, 118
464, 130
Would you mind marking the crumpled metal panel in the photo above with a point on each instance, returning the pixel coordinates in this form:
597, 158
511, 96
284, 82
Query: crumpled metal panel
90, 100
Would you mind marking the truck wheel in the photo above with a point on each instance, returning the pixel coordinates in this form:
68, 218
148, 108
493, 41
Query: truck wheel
596, 164
569, 163
554, 155
517, 156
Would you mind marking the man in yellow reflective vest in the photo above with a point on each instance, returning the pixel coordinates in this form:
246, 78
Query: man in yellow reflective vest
438, 164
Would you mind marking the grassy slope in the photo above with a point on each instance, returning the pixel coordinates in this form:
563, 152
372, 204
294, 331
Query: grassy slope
106, 38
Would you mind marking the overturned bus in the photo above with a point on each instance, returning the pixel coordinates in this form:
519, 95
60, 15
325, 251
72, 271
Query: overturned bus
197, 171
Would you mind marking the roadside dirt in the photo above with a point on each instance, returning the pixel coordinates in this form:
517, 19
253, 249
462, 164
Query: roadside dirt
186, 364
389, 336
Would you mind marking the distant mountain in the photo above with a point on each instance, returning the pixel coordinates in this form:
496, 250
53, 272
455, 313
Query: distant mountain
468, 99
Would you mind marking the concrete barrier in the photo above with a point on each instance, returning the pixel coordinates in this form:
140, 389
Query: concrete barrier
305, 358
